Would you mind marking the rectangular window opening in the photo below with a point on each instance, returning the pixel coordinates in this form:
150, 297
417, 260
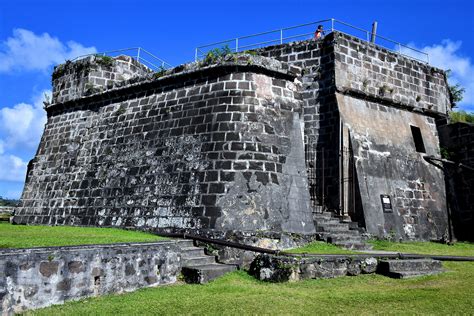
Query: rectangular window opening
418, 139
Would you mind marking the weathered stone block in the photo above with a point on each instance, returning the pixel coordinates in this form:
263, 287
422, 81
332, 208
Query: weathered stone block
47, 269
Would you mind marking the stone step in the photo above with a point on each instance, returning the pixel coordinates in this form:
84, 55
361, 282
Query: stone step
332, 227
343, 236
186, 243
353, 245
409, 267
198, 261
189, 252
354, 226
411, 274
411, 264
205, 273
324, 215
328, 236
327, 221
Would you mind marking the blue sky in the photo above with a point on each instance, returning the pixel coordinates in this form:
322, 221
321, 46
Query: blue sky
36, 35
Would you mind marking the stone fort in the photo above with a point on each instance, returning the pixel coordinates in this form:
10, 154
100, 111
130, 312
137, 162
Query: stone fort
252, 144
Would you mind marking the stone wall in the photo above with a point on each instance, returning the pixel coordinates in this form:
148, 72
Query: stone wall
359, 96
93, 74
204, 147
381, 97
39, 277
370, 71
457, 141
321, 117
388, 164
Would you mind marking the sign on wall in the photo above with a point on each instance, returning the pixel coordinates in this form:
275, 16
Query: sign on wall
386, 203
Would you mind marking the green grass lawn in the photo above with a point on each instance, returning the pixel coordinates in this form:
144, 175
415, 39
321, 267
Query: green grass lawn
21, 236
432, 248
320, 247
237, 293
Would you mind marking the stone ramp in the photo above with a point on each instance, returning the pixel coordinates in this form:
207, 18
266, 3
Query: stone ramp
409, 268
198, 267
333, 230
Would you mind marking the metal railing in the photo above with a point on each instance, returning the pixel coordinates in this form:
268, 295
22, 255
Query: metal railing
305, 32
139, 54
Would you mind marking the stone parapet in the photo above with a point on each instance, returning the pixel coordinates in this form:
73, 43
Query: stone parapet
91, 75
373, 71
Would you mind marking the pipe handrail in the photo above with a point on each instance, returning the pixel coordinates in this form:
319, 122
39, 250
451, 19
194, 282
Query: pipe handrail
395, 255
105, 53
199, 50
138, 56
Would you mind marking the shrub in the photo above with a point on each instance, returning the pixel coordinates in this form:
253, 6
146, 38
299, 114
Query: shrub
105, 61
217, 53
461, 116
456, 91
159, 73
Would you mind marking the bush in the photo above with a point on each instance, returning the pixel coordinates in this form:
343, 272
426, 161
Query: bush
217, 53
8, 202
461, 116
105, 61
456, 91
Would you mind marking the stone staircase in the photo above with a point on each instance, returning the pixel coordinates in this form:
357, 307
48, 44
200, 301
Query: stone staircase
197, 267
401, 269
344, 234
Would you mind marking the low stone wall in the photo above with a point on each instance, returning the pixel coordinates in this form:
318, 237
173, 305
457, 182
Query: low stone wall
281, 269
39, 277
7, 210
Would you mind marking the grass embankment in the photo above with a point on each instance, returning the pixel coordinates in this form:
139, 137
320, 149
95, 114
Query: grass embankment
429, 248
321, 247
238, 293
21, 236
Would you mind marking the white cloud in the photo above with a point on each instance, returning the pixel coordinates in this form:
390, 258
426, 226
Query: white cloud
447, 56
23, 123
21, 126
12, 168
27, 51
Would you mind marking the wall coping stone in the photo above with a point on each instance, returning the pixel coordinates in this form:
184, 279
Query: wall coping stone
10, 251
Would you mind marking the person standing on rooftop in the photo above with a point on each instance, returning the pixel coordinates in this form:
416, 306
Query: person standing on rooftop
319, 32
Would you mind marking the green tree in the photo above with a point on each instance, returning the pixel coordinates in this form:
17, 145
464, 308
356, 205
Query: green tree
456, 91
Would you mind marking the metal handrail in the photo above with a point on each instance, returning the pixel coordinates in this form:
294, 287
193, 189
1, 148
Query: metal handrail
200, 50
156, 63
